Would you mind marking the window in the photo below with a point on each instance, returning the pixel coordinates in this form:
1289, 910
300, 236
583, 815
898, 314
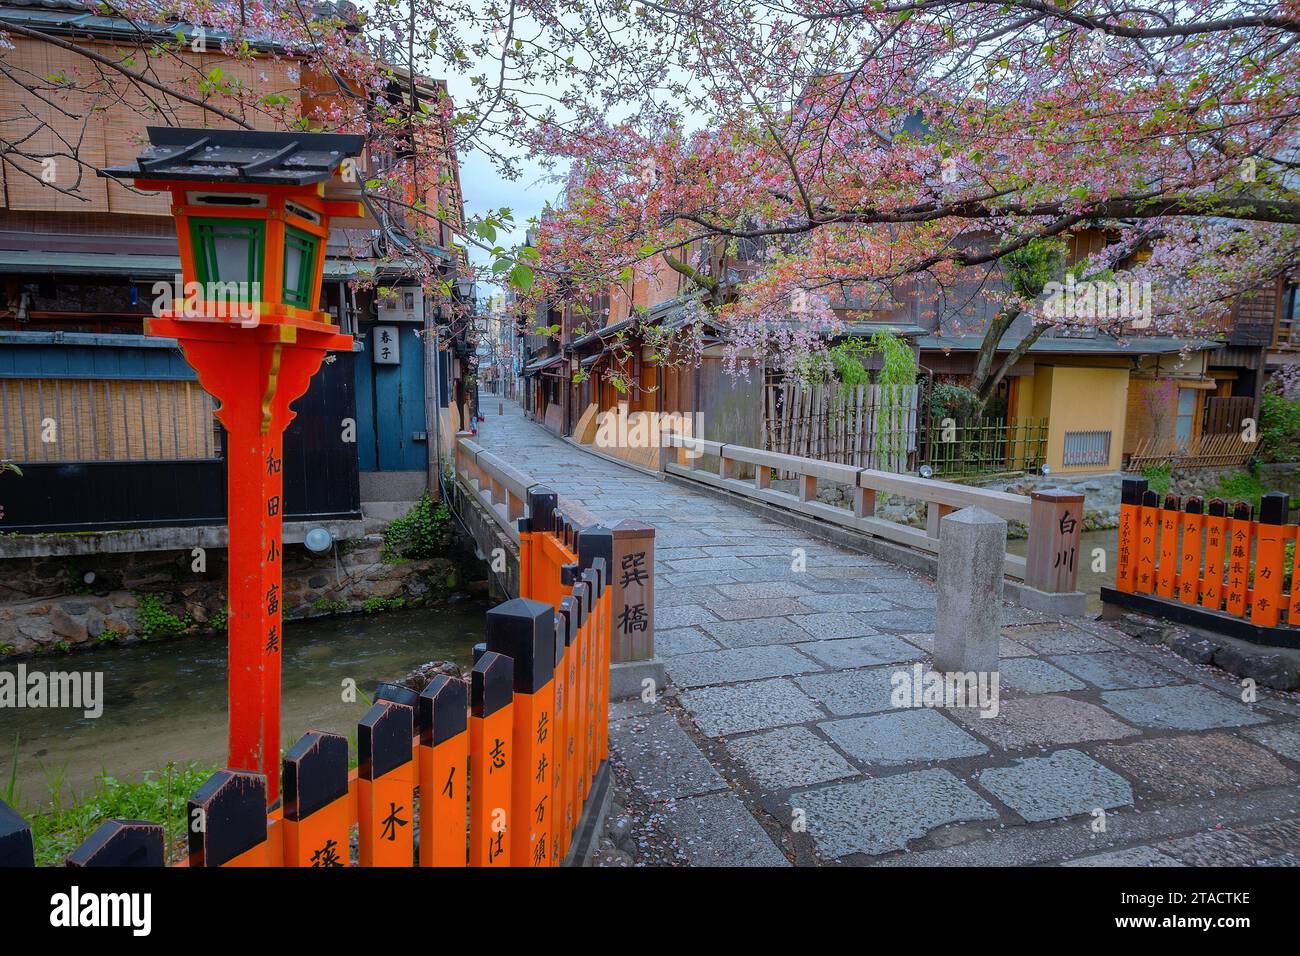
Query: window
299, 267
1186, 413
1288, 323
228, 250
1086, 448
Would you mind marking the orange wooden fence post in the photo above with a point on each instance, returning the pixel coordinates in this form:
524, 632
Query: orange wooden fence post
1270, 559
318, 813
1168, 564
1149, 528
524, 631
386, 786
1189, 568
443, 717
1241, 528
1216, 535
17, 849
1130, 537
582, 601
571, 614
226, 821
591, 741
541, 521
555, 752
491, 751
121, 843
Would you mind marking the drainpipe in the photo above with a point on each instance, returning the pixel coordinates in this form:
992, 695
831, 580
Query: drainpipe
432, 409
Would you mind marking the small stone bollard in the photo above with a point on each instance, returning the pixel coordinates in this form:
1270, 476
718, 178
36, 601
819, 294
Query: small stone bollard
972, 551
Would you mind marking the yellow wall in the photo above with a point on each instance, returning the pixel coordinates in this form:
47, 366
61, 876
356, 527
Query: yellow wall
1081, 399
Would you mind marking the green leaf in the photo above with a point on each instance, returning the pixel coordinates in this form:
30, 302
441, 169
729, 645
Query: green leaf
521, 277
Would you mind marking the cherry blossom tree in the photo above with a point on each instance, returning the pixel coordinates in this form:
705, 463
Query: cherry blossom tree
963, 155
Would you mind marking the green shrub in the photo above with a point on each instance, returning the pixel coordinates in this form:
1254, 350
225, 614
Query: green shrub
1158, 477
1238, 486
153, 619
371, 605
421, 533
159, 797
1279, 428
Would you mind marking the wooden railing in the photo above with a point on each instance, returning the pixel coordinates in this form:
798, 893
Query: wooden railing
504, 492
1210, 563
1054, 518
495, 770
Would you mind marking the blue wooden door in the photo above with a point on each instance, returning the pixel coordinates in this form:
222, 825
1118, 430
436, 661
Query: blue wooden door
390, 405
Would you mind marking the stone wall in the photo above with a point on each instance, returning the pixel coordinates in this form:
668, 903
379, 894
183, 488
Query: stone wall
66, 603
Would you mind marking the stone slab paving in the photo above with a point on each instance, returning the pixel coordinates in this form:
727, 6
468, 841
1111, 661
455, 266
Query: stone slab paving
777, 740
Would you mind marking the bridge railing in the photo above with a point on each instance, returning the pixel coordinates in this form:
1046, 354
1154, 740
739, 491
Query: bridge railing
1053, 518
493, 771
507, 493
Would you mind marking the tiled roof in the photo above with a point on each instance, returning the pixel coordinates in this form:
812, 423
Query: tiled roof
240, 156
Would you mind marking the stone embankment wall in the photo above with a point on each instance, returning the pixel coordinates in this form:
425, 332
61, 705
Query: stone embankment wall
56, 604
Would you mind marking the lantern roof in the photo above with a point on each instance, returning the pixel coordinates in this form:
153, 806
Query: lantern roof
255, 157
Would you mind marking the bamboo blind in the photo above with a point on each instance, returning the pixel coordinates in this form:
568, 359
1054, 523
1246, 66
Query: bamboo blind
52, 420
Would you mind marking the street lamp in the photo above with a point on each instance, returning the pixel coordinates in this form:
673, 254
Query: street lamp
251, 223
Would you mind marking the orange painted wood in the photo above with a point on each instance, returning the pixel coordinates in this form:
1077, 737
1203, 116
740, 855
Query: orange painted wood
1189, 567
320, 840
386, 786
1216, 538
581, 698
559, 739
491, 753
1148, 531
444, 772
384, 831
530, 784
1270, 561
1167, 564
572, 691
443, 802
1293, 610
1241, 532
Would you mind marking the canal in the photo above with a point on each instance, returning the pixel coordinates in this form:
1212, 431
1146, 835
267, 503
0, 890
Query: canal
1090, 581
167, 702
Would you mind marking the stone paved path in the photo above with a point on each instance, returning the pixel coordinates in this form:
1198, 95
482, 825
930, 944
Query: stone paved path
776, 741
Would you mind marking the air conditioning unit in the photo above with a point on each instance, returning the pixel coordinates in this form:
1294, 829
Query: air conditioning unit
406, 304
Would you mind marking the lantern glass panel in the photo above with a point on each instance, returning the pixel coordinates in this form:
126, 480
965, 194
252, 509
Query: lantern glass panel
299, 267
228, 250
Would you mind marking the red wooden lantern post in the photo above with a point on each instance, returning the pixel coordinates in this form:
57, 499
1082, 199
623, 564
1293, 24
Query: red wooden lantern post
252, 221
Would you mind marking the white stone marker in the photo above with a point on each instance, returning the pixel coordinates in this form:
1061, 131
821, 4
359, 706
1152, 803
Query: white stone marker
972, 550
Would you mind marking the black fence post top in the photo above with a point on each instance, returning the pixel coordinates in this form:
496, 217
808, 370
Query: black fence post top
226, 817
315, 773
1132, 490
1273, 507
569, 611
581, 601
16, 846
1150, 499
541, 507
491, 684
443, 708
125, 843
384, 739
524, 631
